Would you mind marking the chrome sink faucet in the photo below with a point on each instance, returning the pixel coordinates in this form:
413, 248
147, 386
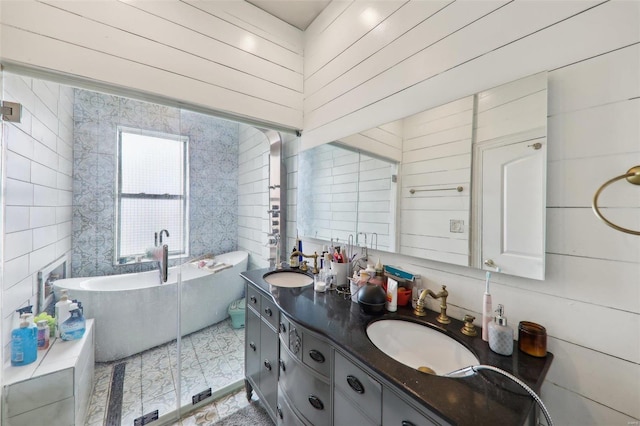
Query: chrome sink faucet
442, 295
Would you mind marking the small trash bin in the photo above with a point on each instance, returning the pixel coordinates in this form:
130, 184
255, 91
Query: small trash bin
236, 312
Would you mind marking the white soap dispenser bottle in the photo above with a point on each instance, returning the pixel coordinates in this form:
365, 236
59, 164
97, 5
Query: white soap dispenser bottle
500, 335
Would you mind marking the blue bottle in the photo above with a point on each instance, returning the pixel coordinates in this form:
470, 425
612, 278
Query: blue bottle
73, 327
24, 343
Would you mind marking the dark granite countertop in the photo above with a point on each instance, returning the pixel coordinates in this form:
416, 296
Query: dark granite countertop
485, 398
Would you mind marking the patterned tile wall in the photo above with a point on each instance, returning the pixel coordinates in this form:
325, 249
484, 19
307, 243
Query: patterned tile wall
213, 159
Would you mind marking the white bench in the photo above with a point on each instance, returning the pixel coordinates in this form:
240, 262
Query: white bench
57, 385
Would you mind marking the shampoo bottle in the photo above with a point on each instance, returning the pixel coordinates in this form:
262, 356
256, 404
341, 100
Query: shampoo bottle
62, 311
500, 335
24, 344
73, 327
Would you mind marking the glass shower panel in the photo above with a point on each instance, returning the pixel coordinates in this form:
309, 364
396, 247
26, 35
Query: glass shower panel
212, 359
138, 379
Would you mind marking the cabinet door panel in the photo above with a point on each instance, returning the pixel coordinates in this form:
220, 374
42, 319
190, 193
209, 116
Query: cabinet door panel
347, 413
252, 347
513, 207
284, 413
269, 368
396, 412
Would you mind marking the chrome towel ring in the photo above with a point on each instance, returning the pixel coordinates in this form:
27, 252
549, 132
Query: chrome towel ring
632, 176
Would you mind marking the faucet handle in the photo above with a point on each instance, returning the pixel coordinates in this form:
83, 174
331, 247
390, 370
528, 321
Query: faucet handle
469, 329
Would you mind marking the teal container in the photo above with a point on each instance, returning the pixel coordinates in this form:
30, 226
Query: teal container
236, 312
24, 343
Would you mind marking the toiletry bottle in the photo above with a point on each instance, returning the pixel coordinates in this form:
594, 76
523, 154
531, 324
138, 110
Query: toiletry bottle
337, 256
500, 335
299, 247
487, 309
392, 295
74, 326
416, 290
43, 335
24, 345
379, 268
62, 311
293, 261
371, 270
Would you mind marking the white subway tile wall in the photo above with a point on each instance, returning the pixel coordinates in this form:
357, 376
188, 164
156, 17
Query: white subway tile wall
35, 234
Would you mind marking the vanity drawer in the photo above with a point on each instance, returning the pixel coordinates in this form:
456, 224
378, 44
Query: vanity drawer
347, 413
316, 354
253, 298
270, 312
285, 416
396, 412
357, 385
308, 393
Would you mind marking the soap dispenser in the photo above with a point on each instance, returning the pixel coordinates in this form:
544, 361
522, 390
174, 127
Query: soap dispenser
500, 335
293, 261
24, 347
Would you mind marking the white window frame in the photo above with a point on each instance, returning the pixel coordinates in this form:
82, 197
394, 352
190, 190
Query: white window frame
125, 258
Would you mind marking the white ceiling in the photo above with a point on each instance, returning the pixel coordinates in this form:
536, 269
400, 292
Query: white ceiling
299, 13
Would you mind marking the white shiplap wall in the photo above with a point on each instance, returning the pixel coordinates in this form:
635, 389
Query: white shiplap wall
226, 56
436, 156
37, 193
590, 299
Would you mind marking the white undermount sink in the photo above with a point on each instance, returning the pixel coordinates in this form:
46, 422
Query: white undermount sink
287, 279
418, 346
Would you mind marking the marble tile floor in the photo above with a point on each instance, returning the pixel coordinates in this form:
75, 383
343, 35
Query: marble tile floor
225, 412
212, 357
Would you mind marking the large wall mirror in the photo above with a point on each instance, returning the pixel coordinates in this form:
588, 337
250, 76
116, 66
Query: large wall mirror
463, 183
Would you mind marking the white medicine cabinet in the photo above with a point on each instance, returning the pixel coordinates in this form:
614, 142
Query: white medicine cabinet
510, 157
470, 188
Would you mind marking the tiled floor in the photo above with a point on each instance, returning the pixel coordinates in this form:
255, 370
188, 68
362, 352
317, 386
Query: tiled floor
212, 357
224, 409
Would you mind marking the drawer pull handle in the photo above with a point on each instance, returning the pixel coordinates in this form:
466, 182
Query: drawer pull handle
253, 299
315, 402
267, 364
282, 366
280, 413
316, 356
252, 346
407, 423
268, 311
355, 384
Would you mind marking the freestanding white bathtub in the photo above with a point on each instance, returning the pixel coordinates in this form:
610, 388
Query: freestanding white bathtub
134, 312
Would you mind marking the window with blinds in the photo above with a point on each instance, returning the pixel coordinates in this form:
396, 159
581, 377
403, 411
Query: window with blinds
152, 192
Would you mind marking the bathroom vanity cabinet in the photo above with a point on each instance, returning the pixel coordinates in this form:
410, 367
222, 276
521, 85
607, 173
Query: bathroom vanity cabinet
314, 384
261, 348
310, 362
